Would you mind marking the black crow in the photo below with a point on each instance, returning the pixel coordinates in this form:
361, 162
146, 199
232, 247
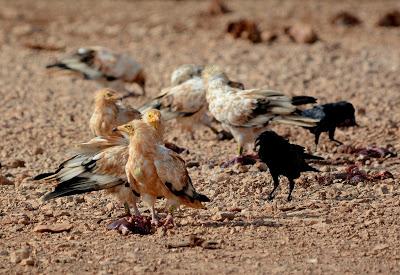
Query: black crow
283, 158
331, 115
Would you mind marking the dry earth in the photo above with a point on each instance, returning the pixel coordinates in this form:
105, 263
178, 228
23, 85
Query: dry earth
330, 227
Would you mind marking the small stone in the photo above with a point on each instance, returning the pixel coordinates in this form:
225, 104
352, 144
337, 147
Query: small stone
79, 199
4, 253
22, 30
261, 166
56, 228
345, 18
24, 220
390, 19
246, 29
302, 33
269, 36
221, 216
325, 169
312, 261
217, 7
28, 262
38, 151
161, 231
109, 206
380, 247
191, 164
17, 163
384, 189
239, 168
5, 181
17, 256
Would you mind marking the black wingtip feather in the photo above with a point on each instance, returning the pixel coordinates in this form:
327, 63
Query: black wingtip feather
43, 176
202, 198
58, 65
301, 100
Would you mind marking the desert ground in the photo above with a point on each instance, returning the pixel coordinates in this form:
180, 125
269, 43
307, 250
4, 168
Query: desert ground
331, 226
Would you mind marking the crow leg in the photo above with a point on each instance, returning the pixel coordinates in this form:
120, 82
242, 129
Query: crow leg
291, 187
271, 195
316, 140
331, 133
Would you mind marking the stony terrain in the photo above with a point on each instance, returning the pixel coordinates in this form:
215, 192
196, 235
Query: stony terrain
331, 226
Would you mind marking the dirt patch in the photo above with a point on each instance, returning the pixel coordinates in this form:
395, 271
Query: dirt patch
329, 227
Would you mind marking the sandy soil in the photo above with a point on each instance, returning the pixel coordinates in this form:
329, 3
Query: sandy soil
330, 227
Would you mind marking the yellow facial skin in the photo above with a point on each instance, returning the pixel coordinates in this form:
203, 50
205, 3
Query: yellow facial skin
126, 128
153, 117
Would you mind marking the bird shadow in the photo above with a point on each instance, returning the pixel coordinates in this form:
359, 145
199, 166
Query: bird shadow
260, 222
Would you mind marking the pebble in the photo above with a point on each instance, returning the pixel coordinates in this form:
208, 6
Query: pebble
191, 164
38, 151
345, 19
54, 228
5, 181
383, 189
221, 216
19, 255
302, 33
239, 168
28, 262
261, 166
110, 207
390, 19
17, 163
79, 199
24, 220
325, 169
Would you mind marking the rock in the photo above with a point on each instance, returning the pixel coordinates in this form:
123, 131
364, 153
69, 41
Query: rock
221, 216
246, 29
346, 19
269, 36
312, 261
261, 166
302, 33
380, 247
4, 253
390, 19
191, 164
325, 169
24, 220
22, 30
161, 232
38, 151
17, 163
55, 228
217, 7
79, 199
5, 181
109, 206
239, 168
19, 255
384, 190
28, 262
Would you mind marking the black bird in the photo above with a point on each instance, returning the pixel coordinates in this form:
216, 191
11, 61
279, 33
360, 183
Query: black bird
283, 158
331, 115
